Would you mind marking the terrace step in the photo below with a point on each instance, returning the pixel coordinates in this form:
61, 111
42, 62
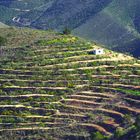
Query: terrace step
12, 71
122, 86
32, 124
125, 109
25, 96
27, 129
86, 97
91, 60
31, 88
134, 97
96, 127
97, 94
69, 115
110, 125
81, 102
111, 112
135, 103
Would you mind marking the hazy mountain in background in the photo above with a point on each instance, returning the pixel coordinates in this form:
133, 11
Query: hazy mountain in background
114, 23
117, 26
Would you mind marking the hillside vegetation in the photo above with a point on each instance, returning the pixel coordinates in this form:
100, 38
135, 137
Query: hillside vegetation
53, 87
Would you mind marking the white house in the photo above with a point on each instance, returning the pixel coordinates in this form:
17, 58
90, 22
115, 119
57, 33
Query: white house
98, 51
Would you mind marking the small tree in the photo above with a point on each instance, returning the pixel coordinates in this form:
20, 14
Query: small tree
66, 31
119, 132
98, 136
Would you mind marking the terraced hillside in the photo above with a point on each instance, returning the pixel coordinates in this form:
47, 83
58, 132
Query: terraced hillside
53, 87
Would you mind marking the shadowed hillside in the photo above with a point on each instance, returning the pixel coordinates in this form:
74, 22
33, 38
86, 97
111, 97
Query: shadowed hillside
116, 26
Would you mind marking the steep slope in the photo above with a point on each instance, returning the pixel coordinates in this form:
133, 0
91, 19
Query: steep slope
53, 87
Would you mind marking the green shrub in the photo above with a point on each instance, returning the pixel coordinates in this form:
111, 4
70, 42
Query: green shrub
119, 132
98, 136
2, 41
